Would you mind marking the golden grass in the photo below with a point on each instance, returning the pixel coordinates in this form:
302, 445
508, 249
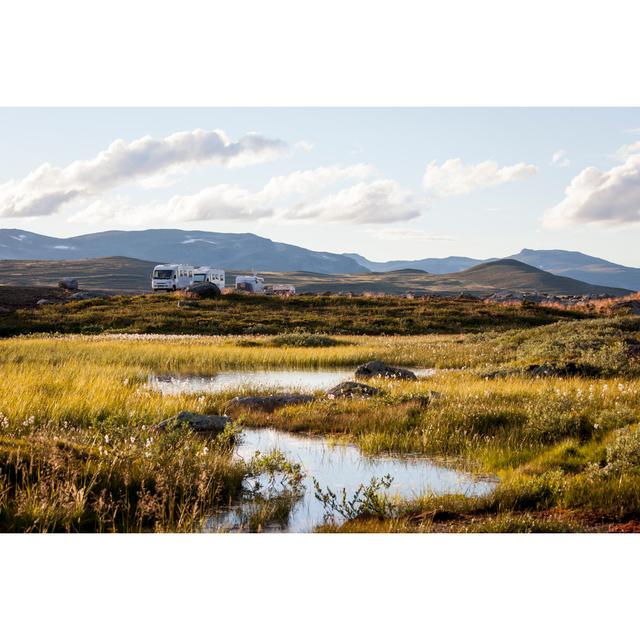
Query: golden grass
546, 437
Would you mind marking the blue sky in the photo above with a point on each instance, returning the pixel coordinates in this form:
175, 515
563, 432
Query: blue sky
350, 179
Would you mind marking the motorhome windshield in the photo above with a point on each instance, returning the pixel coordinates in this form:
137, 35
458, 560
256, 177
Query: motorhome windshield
163, 274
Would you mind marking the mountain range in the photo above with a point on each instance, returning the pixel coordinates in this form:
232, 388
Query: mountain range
246, 251
571, 264
228, 250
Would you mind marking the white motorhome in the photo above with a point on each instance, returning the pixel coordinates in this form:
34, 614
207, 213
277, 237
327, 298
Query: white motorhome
251, 284
170, 277
208, 274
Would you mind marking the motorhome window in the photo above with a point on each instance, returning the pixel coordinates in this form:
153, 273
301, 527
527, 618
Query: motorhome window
163, 274
199, 277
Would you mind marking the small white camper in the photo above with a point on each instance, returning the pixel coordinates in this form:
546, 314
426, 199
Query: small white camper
208, 274
284, 290
171, 277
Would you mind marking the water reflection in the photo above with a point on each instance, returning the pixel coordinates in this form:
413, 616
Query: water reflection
286, 379
344, 466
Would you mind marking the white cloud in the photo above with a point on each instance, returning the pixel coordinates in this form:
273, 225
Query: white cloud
560, 159
454, 178
147, 159
407, 234
595, 196
627, 150
313, 181
303, 145
374, 202
378, 201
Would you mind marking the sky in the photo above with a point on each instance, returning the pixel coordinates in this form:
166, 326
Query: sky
388, 183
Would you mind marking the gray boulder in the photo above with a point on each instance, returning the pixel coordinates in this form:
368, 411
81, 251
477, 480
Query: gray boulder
44, 301
202, 290
268, 403
198, 422
68, 283
352, 390
627, 306
378, 369
4, 310
187, 304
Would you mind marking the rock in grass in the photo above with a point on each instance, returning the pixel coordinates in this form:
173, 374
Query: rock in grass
352, 390
562, 369
202, 290
70, 284
631, 307
44, 301
4, 310
188, 304
378, 369
198, 422
268, 403
86, 295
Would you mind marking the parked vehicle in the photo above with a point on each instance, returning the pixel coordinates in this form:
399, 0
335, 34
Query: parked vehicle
251, 284
284, 290
208, 274
171, 277
279, 289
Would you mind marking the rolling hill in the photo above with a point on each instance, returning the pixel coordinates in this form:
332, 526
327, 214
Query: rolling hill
115, 274
430, 265
574, 264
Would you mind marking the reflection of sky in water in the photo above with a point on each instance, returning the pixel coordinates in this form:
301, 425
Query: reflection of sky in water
344, 466
302, 380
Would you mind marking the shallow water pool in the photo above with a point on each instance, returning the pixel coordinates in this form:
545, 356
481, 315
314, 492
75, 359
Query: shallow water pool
339, 466
307, 380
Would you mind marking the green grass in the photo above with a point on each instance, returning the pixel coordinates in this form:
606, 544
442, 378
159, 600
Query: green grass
104, 479
75, 418
238, 315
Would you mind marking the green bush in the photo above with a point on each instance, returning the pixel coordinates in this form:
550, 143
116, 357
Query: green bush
304, 340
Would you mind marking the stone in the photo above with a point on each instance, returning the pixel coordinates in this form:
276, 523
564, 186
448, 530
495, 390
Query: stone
627, 306
198, 422
268, 403
202, 290
187, 304
44, 301
68, 283
4, 310
352, 390
565, 369
377, 368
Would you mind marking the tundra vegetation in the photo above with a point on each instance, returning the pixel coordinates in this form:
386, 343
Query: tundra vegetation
237, 314
547, 400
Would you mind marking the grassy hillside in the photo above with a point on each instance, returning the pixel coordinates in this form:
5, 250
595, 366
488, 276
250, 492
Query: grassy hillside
242, 314
515, 275
96, 274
